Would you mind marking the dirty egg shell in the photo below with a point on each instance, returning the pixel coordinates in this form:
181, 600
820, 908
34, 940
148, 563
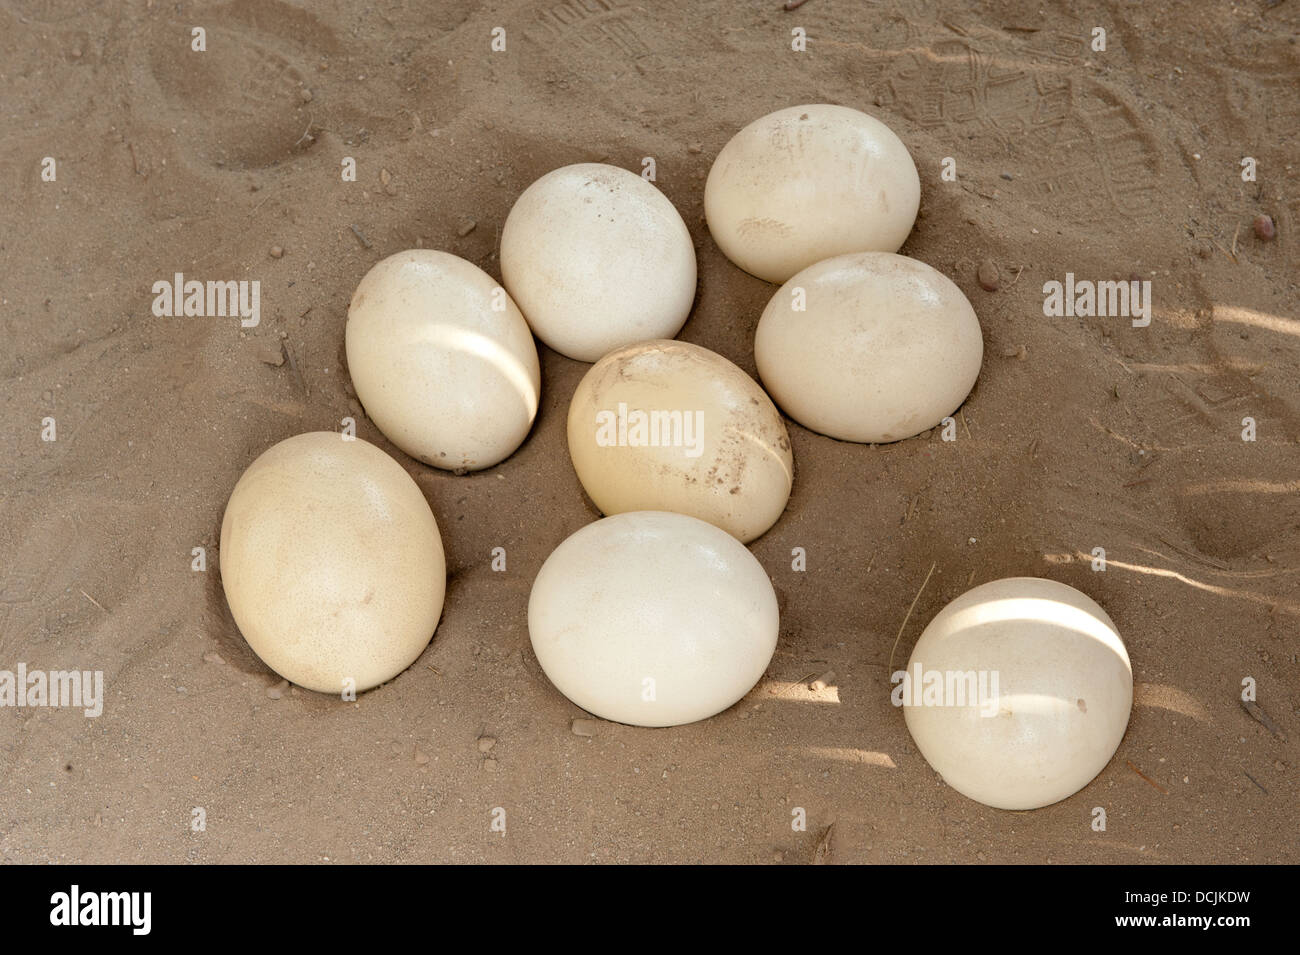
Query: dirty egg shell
653, 619
1060, 706
670, 426
597, 258
442, 360
332, 562
807, 183
885, 347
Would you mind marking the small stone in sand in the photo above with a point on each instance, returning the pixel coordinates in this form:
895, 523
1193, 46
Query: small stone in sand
420, 758
485, 743
212, 657
1006, 176
584, 727
1015, 351
304, 95
1264, 228
277, 691
466, 227
823, 681
490, 764
271, 354
277, 251
385, 177
694, 148
988, 276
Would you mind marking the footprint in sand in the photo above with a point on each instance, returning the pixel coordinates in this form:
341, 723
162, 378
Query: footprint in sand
244, 102
604, 30
41, 590
1080, 146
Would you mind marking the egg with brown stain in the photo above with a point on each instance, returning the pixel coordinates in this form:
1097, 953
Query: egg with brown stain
671, 426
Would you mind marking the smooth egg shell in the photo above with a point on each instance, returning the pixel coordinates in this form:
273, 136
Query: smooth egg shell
722, 454
886, 347
442, 360
1063, 696
807, 183
332, 562
597, 258
653, 619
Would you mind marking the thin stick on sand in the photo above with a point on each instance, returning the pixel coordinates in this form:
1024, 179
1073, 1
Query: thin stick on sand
909, 616
1155, 785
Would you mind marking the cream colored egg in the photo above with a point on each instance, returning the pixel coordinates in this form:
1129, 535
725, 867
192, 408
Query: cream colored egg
332, 563
597, 258
870, 347
670, 426
807, 183
653, 619
1018, 693
442, 360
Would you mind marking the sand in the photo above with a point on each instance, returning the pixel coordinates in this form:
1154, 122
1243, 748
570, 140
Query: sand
1081, 432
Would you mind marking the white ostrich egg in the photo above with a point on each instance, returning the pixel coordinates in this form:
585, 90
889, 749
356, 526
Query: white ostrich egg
870, 347
671, 426
653, 619
442, 360
597, 258
332, 563
807, 183
1018, 692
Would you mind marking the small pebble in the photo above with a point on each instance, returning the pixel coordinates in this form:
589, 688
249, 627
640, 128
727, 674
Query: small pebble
305, 95
584, 727
271, 354
1018, 351
988, 276
212, 657
420, 758
277, 691
385, 177
1264, 228
694, 149
277, 251
823, 681
466, 227
490, 764
1006, 176
485, 743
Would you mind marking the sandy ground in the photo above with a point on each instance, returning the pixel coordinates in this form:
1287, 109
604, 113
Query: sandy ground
1081, 433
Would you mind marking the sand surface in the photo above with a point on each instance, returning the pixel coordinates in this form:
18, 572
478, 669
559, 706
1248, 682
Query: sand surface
1081, 433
